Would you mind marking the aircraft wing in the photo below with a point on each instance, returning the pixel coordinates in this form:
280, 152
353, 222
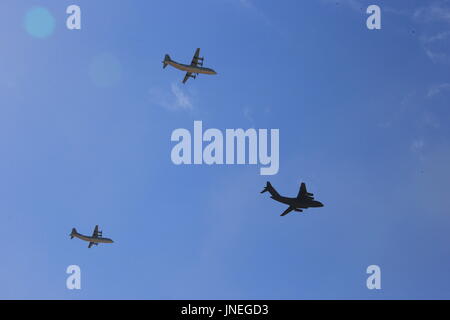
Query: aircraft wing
90, 244
187, 76
95, 234
287, 211
196, 57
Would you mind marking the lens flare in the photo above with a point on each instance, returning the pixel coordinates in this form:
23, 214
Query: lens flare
39, 22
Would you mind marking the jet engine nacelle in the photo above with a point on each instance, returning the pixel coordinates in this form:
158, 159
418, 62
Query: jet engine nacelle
310, 194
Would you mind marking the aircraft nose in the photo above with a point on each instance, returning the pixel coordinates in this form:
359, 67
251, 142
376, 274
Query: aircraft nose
319, 204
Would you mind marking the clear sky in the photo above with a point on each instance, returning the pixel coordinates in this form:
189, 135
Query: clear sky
85, 123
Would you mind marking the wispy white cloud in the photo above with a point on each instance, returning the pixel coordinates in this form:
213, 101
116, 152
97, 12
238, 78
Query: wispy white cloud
437, 89
417, 145
249, 5
257, 11
436, 37
437, 57
435, 12
175, 99
405, 104
434, 15
430, 120
183, 101
432, 12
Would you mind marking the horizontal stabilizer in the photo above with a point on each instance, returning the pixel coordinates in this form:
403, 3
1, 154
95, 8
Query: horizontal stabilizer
271, 190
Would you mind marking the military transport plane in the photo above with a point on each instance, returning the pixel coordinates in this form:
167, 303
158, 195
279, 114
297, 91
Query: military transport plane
94, 240
193, 69
304, 199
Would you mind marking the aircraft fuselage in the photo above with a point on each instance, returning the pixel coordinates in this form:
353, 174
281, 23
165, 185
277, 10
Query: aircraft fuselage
189, 68
303, 203
92, 239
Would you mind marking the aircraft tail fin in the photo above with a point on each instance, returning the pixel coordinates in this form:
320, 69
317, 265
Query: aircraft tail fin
166, 59
270, 189
74, 231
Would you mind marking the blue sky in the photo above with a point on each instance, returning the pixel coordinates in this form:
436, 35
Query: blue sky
85, 123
